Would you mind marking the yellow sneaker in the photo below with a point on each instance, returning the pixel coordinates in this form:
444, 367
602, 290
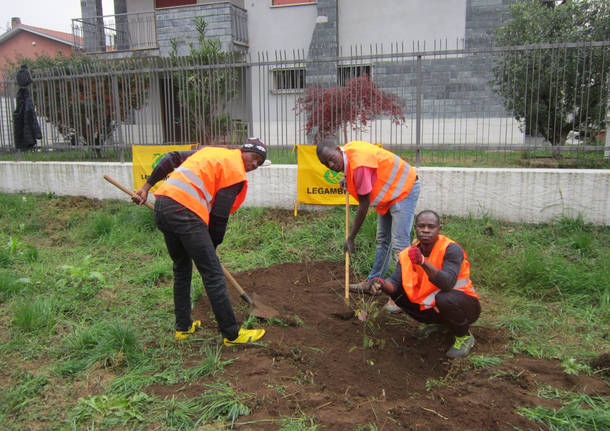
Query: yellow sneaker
245, 336
183, 335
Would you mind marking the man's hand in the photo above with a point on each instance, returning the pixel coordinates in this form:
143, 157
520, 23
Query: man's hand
415, 255
141, 195
374, 284
343, 183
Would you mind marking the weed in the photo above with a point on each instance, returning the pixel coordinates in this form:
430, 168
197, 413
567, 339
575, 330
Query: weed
83, 281
178, 414
35, 315
211, 365
10, 285
579, 412
101, 225
302, 422
111, 344
481, 361
367, 311
25, 387
221, 402
435, 383
108, 410
19, 250
574, 367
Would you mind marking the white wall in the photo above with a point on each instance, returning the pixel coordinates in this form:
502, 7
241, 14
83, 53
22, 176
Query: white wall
518, 195
365, 22
279, 28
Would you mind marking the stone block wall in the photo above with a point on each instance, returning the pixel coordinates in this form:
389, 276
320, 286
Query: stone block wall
179, 24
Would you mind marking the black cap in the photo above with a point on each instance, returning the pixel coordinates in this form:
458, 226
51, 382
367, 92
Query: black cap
255, 145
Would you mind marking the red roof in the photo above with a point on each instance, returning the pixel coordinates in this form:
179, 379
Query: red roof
68, 37
60, 36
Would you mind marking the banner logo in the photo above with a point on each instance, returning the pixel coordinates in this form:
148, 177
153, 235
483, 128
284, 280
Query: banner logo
333, 177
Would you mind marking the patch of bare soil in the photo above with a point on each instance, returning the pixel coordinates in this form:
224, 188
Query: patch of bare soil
319, 368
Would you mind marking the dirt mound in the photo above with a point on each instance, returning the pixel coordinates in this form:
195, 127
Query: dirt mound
317, 365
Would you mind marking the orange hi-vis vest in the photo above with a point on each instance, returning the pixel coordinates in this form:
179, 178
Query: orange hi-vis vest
395, 177
416, 284
196, 181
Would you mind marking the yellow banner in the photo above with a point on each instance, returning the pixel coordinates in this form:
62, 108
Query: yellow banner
146, 157
316, 184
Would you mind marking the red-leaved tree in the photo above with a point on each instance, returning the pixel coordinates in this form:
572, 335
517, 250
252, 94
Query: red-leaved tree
355, 105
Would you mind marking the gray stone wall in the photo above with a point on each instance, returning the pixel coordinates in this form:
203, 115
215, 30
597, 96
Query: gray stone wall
178, 24
458, 85
324, 44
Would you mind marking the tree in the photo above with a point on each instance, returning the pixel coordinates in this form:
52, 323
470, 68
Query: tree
86, 99
203, 84
558, 90
354, 105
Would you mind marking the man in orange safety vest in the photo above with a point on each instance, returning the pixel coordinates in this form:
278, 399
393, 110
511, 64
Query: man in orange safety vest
432, 284
192, 208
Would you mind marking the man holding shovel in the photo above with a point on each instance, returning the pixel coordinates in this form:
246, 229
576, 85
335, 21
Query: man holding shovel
432, 284
379, 178
192, 208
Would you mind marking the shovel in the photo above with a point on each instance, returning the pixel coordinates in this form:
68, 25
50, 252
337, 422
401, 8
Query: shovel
257, 308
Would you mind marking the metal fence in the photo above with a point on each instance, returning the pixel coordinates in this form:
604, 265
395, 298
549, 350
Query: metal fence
449, 103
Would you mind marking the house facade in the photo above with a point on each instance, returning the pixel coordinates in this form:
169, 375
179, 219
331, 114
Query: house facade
26, 41
283, 39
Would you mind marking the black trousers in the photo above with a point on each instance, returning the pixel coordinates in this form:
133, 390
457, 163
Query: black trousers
457, 310
188, 240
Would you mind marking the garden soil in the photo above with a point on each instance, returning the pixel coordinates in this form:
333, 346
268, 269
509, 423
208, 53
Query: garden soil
313, 364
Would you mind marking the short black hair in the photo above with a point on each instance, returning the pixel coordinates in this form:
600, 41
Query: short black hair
438, 219
330, 142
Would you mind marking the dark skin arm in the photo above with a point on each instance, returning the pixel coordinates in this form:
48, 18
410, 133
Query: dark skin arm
363, 207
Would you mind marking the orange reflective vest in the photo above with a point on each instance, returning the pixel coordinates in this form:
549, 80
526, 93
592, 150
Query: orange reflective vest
395, 177
415, 282
195, 182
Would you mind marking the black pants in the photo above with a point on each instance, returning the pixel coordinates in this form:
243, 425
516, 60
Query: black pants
457, 310
188, 240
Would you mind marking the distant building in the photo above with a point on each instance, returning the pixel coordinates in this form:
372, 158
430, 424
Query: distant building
26, 41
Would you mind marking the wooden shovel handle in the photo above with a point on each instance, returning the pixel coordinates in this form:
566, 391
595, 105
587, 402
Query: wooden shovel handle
347, 252
125, 189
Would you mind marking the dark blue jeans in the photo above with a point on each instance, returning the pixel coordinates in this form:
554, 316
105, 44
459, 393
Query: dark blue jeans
188, 240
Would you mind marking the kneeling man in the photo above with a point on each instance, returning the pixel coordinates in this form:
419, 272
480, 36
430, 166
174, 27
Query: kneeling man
432, 284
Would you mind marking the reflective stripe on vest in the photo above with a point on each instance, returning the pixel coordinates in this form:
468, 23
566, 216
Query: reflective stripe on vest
395, 177
195, 183
401, 182
187, 188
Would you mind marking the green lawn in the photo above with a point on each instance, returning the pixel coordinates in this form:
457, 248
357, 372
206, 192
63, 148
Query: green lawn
77, 297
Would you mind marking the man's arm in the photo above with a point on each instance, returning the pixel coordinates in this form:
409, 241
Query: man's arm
364, 177
221, 209
166, 166
363, 207
446, 277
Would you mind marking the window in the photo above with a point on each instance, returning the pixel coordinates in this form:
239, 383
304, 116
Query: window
289, 80
290, 2
345, 73
173, 3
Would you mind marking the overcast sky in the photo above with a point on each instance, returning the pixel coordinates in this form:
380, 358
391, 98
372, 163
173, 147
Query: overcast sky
49, 14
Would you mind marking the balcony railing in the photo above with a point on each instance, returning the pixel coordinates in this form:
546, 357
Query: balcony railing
123, 32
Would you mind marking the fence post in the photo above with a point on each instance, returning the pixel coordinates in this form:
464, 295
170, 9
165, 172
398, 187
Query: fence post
607, 145
418, 113
117, 113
